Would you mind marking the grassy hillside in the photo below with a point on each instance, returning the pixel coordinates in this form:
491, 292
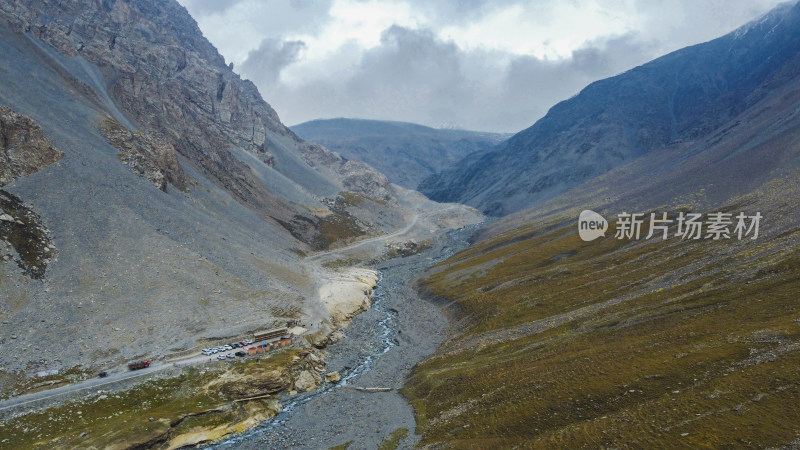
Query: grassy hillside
648, 343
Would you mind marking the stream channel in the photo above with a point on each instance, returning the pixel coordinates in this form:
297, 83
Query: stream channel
381, 346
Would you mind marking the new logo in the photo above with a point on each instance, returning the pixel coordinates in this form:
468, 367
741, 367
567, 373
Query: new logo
591, 225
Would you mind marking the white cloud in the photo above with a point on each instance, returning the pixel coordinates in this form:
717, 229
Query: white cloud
546, 31
496, 65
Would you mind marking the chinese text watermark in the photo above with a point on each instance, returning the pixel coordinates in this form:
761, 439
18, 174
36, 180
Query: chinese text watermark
714, 226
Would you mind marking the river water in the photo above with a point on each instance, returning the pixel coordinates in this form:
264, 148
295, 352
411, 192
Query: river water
382, 345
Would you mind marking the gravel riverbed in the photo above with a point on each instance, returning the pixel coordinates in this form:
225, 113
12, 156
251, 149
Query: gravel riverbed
382, 345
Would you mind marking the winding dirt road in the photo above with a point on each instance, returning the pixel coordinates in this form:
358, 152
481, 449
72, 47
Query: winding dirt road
399, 232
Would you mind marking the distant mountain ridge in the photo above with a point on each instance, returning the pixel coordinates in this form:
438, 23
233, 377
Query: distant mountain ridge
406, 152
684, 95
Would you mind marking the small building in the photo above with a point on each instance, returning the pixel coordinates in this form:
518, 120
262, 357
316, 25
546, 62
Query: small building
285, 341
251, 351
269, 334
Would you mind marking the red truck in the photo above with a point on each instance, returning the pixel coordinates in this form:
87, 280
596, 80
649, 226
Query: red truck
138, 365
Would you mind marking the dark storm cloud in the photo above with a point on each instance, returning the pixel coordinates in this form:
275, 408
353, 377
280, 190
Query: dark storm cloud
414, 76
264, 64
410, 69
531, 85
478, 64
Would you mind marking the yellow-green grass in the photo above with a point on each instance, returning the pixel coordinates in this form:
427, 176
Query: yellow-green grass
567, 343
15, 383
393, 440
183, 404
337, 228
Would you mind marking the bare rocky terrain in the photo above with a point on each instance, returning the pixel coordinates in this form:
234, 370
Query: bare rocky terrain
181, 212
380, 348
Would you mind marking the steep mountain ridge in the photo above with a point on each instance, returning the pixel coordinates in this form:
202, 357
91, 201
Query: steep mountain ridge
406, 152
681, 96
134, 264
167, 79
645, 341
182, 209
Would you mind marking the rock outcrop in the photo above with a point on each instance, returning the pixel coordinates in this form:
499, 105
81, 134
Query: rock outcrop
23, 148
150, 157
256, 384
349, 294
23, 238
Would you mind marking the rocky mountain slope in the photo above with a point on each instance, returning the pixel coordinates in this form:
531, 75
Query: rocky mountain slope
683, 96
152, 63
182, 209
407, 153
650, 342
23, 148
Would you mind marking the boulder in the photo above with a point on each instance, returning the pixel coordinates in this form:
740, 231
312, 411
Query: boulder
305, 381
332, 377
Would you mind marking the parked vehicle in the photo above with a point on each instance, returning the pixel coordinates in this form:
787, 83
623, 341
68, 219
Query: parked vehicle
231, 356
221, 357
136, 365
102, 374
240, 353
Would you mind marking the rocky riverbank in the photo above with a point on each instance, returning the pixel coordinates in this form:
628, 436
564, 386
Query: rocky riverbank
351, 376
382, 344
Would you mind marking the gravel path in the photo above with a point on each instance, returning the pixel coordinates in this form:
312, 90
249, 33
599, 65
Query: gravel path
396, 333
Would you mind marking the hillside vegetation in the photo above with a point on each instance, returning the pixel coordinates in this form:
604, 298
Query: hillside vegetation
647, 343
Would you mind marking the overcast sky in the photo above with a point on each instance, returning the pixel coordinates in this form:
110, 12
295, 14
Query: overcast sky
477, 64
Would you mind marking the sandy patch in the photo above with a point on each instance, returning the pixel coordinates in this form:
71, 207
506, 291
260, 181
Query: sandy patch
297, 331
348, 293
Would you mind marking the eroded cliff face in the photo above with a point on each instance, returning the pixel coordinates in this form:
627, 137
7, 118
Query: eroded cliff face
23, 148
150, 157
169, 80
23, 238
